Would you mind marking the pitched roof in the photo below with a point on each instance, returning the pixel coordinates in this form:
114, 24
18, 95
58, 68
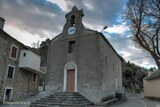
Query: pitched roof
110, 46
6, 35
100, 33
154, 75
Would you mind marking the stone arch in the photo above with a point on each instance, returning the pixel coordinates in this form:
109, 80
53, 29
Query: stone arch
68, 66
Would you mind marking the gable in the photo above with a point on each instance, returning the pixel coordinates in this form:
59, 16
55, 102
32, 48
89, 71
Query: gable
109, 44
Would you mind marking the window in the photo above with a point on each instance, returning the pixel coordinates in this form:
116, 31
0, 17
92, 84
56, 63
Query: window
14, 51
72, 20
24, 54
34, 77
10, 71
71, 46
25, 92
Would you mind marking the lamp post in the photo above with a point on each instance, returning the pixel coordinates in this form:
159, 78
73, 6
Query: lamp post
105, 27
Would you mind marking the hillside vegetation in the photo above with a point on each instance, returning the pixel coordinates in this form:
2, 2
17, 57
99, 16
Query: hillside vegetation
133, 76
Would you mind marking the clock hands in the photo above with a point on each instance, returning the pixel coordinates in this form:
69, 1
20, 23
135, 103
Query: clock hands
71, 30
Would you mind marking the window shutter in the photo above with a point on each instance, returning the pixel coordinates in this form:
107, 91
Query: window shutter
14, 52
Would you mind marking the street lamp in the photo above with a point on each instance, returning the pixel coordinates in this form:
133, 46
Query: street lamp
105, 27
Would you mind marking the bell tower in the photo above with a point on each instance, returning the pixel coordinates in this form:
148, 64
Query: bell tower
73, 25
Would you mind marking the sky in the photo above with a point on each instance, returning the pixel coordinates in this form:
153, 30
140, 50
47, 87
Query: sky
30, 21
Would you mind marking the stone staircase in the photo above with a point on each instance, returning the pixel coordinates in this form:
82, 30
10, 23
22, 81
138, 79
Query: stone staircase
62, 99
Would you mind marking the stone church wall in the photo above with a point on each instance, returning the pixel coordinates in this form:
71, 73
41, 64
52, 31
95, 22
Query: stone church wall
111, 69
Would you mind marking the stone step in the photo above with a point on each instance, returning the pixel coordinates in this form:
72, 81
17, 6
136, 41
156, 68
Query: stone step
62, 99
40, 105
65, 96
62, 104
56, 99
65, 93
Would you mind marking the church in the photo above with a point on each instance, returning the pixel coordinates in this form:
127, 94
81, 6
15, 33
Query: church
82, 60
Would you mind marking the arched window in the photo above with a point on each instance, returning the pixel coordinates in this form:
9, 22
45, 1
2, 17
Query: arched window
72, 20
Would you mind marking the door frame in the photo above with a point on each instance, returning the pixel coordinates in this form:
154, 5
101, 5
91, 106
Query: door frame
5, 92
70, 66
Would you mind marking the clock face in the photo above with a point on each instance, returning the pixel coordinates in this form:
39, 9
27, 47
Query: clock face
71, 30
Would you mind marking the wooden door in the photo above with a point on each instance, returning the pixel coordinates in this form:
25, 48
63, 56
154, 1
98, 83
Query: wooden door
70, 80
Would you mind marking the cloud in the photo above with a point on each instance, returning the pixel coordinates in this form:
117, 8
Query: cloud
33, 20
33, 16
99, 12
124, 45
39, 16
119, 29
61, 3
26, 37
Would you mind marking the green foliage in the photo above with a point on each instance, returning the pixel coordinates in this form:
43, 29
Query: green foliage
133, 76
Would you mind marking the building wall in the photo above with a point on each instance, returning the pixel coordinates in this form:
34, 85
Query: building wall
31, 59
3, 62
89, 70
86, 56
94, 76
111, 69
57, 57
151, 88
22, 79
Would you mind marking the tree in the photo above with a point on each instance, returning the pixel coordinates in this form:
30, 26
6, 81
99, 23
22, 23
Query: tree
133, 76
143, 16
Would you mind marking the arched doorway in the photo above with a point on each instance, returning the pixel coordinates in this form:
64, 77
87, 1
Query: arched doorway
70, 77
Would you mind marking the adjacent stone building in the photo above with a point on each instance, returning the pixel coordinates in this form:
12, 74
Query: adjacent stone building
82, 60
19, 68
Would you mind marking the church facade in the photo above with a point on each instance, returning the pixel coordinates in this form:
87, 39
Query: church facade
82, 60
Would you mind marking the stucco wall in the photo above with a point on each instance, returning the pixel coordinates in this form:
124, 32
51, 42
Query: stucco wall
111, 69
88, 62
151, 88
31, 60
55, 65
94, 76
87, 58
